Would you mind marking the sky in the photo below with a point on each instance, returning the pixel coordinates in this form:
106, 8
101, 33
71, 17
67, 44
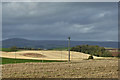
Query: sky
82, 21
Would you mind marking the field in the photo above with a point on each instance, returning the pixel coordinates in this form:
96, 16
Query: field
50, 64
6, 49
11, 61
81, 69
46, 55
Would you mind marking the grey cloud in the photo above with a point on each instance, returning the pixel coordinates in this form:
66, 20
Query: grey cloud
81, 21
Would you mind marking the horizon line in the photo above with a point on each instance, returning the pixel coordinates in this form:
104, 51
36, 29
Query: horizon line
62, 40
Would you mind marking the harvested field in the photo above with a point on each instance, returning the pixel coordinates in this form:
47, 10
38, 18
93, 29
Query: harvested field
80, 69
46, 55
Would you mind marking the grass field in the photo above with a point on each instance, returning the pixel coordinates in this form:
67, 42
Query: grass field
59, 49
6, 49
10, 60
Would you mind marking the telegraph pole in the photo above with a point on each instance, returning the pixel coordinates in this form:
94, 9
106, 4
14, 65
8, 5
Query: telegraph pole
68, 49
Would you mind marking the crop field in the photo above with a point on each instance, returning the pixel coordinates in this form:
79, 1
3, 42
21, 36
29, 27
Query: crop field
46, 55
53, 64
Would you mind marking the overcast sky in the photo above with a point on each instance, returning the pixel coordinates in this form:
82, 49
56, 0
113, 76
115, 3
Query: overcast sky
56, 21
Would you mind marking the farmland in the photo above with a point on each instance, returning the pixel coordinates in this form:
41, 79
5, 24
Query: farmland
6, 49
12, 61
46, 55
81, 69
52, 64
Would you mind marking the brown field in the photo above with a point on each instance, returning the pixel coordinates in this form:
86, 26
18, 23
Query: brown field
77, 68
81, 69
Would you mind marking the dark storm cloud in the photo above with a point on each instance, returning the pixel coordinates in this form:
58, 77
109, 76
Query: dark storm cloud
81, 21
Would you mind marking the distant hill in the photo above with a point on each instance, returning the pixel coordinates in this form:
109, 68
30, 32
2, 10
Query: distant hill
49, 44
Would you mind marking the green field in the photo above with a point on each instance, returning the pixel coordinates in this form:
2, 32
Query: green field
6, 49
60, 49
11, 61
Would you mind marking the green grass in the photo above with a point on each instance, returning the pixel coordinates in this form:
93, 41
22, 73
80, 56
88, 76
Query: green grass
60, 49
11, 60
109, 48
6, 49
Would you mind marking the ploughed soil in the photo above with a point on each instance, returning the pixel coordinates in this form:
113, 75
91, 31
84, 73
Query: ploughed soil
33, 55
80, 69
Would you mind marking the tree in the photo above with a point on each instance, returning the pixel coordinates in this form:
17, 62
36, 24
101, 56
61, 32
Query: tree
13, 48
92, 50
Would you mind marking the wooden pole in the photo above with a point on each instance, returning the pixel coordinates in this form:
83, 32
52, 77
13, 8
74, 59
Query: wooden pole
68, 49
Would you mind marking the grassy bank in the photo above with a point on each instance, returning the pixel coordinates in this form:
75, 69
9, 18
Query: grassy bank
11, 60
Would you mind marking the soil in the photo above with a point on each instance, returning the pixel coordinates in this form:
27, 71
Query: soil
80, 69
33, 55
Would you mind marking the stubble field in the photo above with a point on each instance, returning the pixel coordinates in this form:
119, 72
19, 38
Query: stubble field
79, 67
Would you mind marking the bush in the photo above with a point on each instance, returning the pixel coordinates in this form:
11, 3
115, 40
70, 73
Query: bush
90, 57
14, 48
107, 54
93, 50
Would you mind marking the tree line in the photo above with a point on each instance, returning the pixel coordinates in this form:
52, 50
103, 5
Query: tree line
92, 50
14, 48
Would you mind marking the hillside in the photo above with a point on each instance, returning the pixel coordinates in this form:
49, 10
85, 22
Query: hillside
49, 44
46, 55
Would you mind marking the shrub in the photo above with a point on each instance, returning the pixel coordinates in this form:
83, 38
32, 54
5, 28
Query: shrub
90, 57
14, 48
